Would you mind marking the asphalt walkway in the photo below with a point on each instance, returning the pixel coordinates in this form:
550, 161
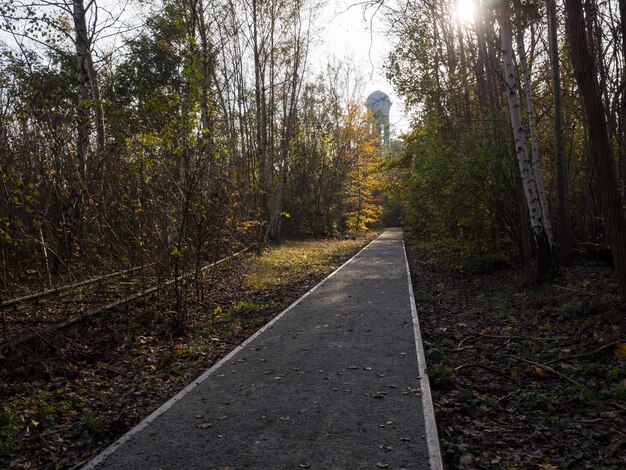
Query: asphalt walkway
334, 382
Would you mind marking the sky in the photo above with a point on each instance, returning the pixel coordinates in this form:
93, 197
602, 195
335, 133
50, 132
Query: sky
346, 35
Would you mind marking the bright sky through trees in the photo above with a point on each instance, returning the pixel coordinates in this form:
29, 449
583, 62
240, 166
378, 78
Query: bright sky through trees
465, 11
347, 32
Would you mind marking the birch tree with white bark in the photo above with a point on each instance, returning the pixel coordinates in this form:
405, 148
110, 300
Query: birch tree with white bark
530, 171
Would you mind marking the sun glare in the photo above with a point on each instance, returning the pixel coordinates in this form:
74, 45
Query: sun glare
465, 11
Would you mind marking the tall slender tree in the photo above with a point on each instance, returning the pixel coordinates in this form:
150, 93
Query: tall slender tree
528, 172
565, 233
601, 152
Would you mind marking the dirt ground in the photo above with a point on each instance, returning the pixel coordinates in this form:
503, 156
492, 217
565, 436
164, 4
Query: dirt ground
525, 376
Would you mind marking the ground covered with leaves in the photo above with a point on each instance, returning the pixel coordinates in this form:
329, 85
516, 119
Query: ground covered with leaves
525, 376
67, 398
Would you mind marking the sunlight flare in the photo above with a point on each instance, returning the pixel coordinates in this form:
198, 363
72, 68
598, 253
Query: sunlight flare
466, 11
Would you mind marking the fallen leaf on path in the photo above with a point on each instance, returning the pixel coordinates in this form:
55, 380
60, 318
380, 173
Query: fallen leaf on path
204, 425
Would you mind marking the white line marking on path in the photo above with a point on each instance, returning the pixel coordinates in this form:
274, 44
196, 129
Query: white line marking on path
432, 438
185, 391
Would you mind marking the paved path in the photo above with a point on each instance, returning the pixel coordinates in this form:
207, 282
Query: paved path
332, 383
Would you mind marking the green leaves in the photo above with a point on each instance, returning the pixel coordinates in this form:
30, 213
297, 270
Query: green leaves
456, 197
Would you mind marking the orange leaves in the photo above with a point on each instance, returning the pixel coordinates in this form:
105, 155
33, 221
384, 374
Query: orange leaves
362, 200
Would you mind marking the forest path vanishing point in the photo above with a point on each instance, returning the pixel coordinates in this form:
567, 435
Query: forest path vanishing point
337, 380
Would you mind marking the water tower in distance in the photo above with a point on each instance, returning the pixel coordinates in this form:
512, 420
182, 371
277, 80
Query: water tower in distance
379, 104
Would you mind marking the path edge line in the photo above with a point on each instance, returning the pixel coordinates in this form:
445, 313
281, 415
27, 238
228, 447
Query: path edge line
98, 459
432, 437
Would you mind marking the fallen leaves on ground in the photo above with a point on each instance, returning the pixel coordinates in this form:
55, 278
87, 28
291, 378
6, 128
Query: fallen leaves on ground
525, 376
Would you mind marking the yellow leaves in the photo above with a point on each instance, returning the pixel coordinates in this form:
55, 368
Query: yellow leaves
620, 351
217, 313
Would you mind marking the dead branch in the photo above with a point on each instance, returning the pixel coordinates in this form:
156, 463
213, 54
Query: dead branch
38, 295
545, 368
588, 354
480, 366
118, 303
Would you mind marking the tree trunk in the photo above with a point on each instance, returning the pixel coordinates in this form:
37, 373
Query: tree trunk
523, 159
492, 53
622, 131
532, 131
464, 83
487, 79
601, 152
565, 233
74, 211
263, 167
97, 104
84, 98
526, 236
207, 72
91, 81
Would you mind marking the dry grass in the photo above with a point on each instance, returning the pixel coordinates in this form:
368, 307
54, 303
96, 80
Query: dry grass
294, 260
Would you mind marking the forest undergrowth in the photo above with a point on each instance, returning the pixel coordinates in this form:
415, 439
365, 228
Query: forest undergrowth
524, 376
63, 403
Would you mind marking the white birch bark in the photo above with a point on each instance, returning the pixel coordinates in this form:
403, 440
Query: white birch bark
515, 115
534, 142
